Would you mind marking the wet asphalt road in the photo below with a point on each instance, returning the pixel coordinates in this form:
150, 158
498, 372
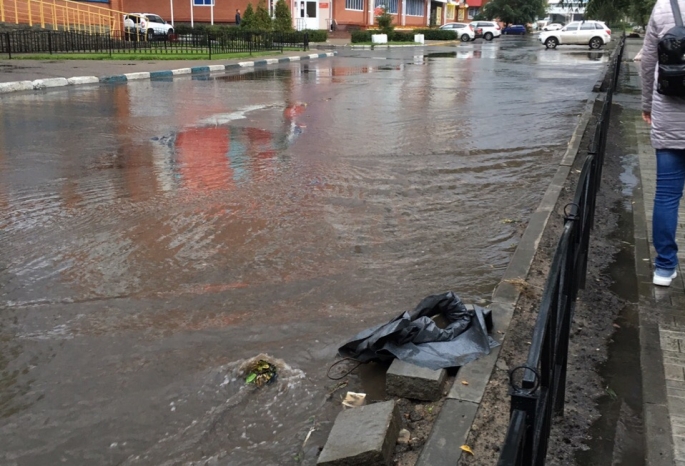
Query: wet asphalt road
157, 235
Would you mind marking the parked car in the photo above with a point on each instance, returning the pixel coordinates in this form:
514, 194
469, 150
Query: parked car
553, 27
488, 30
592, 33
465, 32
514, 29
147, 25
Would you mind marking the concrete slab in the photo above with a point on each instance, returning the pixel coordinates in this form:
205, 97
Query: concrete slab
363, 436
417, 383
449, 433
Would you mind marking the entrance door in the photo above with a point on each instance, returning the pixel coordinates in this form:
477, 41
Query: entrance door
307, 14
312, 14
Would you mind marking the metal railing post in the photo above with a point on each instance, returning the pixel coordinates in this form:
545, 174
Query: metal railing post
9, 45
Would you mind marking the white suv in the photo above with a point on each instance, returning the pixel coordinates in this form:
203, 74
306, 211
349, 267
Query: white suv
591, 33
488, 30
149, 25
465, 32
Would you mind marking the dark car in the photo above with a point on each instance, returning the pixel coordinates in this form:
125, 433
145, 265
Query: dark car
514, 29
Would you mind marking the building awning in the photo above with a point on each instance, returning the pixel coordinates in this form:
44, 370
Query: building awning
475, 3
439, 1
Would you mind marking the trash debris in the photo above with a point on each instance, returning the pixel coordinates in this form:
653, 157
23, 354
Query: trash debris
353, 400
464, 382
404, 437
415, 338
467, 449
261, 373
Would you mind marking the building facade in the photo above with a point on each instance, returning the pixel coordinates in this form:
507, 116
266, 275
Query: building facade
311, 14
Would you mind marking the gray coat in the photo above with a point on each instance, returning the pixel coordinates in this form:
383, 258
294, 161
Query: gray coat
668, 113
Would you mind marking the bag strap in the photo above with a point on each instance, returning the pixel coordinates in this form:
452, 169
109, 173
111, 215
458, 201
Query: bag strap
676, 13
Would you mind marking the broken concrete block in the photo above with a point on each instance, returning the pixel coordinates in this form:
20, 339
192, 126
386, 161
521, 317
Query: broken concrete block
414, 382
363, 436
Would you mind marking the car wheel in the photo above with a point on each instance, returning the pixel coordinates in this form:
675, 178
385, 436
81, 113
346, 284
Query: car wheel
595, 43
150, 35
465, 38
551, 42
488, 36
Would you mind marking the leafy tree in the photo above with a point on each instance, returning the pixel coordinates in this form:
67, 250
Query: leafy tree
515, 11
248, 21
283, 21
263, 20
611, 11
384, 21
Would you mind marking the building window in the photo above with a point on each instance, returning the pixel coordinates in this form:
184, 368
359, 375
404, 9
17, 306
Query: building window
392, 6
203, 2
354, 5
451, 12
415, 7
473, 11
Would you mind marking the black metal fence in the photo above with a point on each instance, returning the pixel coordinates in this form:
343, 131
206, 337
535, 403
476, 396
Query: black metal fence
117, 42
538, 386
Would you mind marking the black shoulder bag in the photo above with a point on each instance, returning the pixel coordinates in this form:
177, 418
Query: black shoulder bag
671, 47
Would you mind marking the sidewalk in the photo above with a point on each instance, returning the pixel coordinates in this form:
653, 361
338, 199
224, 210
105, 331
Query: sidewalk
662, 310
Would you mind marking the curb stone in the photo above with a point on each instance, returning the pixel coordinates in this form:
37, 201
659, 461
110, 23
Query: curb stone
39, 84
453, 425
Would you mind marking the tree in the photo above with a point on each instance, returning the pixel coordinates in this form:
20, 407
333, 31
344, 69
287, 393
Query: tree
263, 20
248, 19
384, 20
612, 11
515, 11
283, 21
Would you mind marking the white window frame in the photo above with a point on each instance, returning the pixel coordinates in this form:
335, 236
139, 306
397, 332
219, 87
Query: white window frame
352, 2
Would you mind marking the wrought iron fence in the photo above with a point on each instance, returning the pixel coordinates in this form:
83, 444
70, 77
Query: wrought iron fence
540, 393
34, 42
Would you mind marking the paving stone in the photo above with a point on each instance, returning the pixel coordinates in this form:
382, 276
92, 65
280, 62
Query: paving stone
414, 382
674, 372
363, 436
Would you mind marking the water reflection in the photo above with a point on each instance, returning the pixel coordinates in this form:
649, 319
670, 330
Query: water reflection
158, 232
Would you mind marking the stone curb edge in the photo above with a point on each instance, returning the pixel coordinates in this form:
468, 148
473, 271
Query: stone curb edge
452, 427
47, 83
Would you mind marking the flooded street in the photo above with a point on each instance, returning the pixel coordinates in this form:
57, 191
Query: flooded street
156, 235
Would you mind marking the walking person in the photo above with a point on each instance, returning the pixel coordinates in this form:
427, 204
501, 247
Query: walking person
237, 17
665, 113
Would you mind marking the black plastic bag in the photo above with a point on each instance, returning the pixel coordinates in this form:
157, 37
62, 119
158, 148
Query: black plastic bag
415, 338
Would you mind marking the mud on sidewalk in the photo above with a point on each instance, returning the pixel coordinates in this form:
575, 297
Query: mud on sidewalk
602, 315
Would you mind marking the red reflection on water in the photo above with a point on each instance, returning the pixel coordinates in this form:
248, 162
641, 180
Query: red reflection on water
201, 154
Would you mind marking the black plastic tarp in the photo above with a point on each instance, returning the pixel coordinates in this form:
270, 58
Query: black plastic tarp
415, 338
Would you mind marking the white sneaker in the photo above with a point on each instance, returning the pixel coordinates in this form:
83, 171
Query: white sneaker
661, 280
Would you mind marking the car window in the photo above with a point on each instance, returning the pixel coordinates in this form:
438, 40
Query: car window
571, 27
155, 19
599, 26
587, 26
458, 26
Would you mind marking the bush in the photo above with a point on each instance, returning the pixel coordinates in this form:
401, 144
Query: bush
284, 20
436, 34
362, 36
316, 35
401, 36
405, 36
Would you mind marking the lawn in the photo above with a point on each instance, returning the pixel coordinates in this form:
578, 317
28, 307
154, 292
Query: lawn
144, 56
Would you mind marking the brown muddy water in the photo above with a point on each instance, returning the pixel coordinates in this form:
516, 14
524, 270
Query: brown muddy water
157, 235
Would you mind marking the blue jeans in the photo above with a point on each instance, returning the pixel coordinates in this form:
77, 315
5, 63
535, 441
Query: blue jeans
670, 179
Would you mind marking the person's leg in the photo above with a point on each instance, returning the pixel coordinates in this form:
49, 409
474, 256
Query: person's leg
670, 178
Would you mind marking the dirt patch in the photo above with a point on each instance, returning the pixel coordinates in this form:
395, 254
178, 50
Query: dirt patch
592, 326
